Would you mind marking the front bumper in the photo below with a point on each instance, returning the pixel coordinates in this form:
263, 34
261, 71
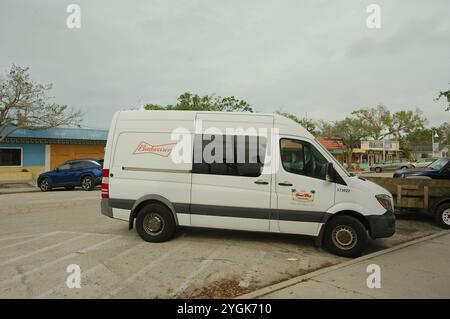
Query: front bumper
382, 226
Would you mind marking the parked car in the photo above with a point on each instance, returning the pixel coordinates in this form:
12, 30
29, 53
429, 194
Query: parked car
86, 173
424, 162
160, 173
391, 165
439, 169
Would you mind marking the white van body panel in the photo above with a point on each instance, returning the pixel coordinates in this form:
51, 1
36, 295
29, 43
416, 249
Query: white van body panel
139, 155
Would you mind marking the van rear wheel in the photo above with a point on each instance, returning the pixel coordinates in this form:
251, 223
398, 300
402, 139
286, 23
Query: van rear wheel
345, 236
155, 223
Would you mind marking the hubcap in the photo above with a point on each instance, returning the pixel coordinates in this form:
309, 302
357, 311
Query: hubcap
44, 184
86, 183
344, 237
153, 224
446, 216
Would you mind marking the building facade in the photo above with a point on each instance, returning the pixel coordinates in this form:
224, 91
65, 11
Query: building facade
425, 151
25, 154
336, 147
377, 151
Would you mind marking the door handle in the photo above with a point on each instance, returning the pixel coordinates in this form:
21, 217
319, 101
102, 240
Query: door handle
261, 182
285, 184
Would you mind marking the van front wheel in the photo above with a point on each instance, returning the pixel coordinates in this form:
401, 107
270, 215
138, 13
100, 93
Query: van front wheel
345, 236
155, 223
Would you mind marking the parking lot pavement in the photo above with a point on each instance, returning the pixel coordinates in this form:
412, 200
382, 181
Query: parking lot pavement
405, 272
41, 234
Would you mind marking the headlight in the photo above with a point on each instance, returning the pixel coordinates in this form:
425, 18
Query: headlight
385, 201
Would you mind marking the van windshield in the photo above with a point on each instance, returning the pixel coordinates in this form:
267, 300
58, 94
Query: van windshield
334, 159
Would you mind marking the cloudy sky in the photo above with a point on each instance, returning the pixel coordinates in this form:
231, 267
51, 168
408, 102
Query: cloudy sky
299, 56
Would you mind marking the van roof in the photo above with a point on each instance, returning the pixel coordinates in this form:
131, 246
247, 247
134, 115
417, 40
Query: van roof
287, 126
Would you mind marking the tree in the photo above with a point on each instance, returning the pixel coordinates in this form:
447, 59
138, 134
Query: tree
351, 130
405, 122
374, 119
380, 122
189, 101
445, 94
308, 124
24, 104
423, 136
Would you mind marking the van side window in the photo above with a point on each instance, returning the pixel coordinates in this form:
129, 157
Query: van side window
302, 158
229, 155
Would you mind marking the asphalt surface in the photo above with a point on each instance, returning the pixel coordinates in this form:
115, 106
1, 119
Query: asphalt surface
41, 234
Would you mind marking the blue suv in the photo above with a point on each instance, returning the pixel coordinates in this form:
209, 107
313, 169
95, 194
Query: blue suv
86, 173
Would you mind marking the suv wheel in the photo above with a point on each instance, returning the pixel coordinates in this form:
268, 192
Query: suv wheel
87, 183
345, 236
378, 169
155, 223
443, 215
45, 185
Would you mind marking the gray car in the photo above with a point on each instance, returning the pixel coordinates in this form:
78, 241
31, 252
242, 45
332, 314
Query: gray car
391, 165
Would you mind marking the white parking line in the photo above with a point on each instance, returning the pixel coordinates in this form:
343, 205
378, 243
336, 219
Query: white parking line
53, 262
203, 265
90, 270
30, 240
43, 249
142, 271
20, 236
248, 276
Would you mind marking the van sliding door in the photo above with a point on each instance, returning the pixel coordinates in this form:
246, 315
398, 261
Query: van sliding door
228, 187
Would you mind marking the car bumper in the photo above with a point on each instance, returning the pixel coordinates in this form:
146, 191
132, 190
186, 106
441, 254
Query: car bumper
382, 226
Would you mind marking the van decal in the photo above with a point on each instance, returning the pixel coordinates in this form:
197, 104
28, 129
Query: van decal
302, 196
163, 150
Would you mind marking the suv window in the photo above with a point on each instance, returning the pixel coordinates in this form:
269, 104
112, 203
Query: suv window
229, 155
302, 158
82, 164
64, 167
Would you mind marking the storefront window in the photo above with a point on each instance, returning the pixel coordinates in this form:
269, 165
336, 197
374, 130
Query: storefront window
10, 156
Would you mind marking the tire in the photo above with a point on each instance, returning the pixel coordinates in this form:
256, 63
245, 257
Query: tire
69, 188
403, 167
155, 223
378, 169
442, 215
87, 183
45, 184
336, 236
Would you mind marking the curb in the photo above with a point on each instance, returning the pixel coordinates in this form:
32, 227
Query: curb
293, 281
20, 192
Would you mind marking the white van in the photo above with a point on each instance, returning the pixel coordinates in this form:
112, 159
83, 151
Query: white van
244, 171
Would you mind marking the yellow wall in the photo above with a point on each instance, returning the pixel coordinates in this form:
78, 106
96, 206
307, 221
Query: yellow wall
64, 152
16, 174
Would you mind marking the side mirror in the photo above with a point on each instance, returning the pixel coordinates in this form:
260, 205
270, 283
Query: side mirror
56, 169
329, 175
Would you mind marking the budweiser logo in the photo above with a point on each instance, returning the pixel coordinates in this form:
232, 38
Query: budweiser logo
163, 150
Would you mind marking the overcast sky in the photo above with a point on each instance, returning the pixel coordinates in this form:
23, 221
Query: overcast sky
312, 56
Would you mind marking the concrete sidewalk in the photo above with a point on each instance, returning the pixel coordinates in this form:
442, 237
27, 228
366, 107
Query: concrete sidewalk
13, 187
419, 269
